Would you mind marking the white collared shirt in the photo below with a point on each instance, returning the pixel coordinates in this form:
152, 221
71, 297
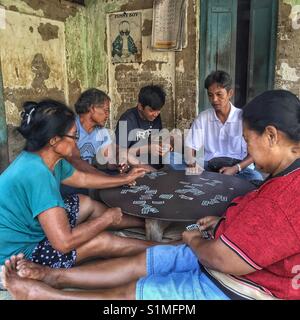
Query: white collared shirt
218, 139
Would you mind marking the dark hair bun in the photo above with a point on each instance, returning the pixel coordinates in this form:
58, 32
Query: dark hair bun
44, 120
29, 105
26, 115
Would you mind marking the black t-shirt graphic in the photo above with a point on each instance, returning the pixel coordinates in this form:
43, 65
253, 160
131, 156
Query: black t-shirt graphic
138, 130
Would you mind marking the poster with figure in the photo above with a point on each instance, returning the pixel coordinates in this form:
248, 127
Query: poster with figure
125, 37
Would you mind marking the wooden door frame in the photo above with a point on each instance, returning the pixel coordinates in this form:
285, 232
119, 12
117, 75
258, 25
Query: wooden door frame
4, 159
273, 50
203, 48
202, 53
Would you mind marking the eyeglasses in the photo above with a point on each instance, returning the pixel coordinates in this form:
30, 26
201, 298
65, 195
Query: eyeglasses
102, 110
75, 137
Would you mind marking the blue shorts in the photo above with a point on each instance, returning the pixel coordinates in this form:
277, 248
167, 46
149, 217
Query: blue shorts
173, 273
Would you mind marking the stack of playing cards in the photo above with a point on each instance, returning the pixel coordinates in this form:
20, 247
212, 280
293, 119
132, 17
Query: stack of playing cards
204, 234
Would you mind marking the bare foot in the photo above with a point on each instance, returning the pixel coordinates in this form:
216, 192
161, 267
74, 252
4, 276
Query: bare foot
34, 271
11, 263
25, 289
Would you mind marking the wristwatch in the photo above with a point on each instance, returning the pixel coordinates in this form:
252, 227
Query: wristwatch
239, 167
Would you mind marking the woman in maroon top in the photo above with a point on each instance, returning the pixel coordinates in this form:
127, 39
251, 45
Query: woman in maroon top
254, 252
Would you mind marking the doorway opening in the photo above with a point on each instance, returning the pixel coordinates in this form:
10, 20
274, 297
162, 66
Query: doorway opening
242, 49
239, 37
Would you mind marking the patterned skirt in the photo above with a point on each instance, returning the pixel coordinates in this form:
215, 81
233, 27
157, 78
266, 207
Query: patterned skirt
45, 254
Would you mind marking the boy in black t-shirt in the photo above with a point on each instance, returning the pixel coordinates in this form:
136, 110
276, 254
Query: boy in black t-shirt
136, 125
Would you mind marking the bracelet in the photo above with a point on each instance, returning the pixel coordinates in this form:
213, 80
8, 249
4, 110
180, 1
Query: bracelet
239, 167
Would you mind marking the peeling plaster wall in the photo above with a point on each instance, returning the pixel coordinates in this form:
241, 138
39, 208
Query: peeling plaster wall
61, 48
31, 68
75, 20
187, 73
34, 63
156, 67
104, 75
125, 80
288, 47
52, 9
76, 34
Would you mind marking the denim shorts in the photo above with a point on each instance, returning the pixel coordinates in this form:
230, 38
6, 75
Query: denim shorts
173, 273
45, 254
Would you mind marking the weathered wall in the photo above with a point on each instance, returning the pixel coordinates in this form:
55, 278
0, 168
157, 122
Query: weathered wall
123, 80
76, 34
33, 57
30, 65
60, 49
288, 47
176, 72
187, 72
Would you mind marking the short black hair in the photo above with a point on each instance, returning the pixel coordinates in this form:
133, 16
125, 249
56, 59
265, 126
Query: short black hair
153, 96
221, 78
88, 98
42, 121
278, 108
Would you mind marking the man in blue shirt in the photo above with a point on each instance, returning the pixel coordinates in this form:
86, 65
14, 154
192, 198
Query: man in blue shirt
92, 108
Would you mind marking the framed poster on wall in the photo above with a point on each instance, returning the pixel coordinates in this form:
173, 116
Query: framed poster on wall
125, 37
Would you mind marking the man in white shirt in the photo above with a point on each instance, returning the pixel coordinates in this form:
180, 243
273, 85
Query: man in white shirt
220, 130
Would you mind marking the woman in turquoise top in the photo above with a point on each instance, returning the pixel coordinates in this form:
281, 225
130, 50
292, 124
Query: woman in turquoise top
35, 220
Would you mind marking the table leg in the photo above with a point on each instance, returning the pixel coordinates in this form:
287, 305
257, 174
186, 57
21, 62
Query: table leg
155, 229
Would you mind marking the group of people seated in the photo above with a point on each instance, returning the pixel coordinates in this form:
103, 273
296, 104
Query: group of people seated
54, 236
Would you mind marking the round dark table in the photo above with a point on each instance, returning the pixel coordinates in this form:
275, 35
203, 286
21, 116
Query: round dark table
175, 196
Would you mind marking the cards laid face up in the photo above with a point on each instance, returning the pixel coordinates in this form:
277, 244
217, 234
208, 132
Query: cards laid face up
166, 196
187, 191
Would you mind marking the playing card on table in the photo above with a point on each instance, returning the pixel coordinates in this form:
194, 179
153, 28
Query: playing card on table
151, 192
146, 197
166, 196
139, 202
182, 196
184, 182
158, 202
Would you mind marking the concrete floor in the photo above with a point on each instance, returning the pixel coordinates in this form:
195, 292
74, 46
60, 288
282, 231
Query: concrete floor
173, 232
